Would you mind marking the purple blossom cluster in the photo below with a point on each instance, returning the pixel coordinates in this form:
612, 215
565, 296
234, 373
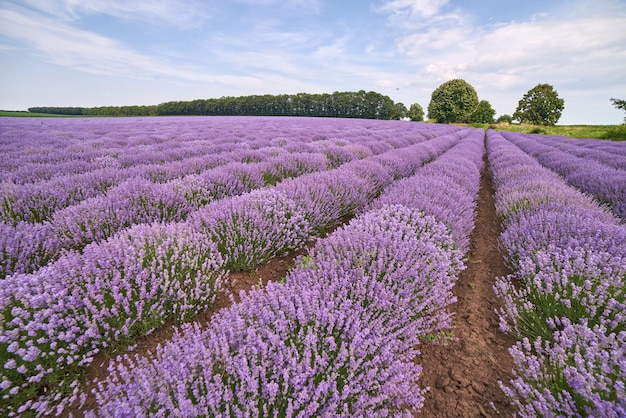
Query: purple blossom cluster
236, 178
590, 381
44, 149
164, 153
36, 202
327, 197
404, 250
135, 201
25, 247
252, 228
58, 318
138, 200
610, 154
566, 300
606, 183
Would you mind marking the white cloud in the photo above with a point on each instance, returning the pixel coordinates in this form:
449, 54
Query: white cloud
309, 6
521, 52
264, 60
401, 48
413, 8
332, 52
179, 13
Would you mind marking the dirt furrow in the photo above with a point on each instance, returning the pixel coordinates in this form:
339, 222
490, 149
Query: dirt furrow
463, 375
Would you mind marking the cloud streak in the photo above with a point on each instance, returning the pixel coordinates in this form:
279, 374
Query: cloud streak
183, 13
550, 48
413, 8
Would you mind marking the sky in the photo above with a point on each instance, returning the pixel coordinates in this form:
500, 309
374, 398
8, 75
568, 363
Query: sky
140, 52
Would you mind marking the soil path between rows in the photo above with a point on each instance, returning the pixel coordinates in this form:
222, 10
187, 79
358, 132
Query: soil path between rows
463, 374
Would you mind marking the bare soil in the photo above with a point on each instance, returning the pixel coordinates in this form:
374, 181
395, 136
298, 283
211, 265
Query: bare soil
462, 375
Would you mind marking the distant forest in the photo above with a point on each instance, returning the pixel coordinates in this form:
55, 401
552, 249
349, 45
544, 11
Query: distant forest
360, 104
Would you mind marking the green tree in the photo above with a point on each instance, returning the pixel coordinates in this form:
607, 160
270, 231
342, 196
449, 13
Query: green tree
484, 113
416, 112
453, 101
540, 106
620, 104
400, 112
504, 119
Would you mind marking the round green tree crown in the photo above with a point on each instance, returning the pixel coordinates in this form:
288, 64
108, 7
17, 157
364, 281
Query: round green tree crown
540, 106
453, 101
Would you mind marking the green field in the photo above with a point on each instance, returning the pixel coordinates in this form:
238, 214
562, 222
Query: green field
26, 114
612, 132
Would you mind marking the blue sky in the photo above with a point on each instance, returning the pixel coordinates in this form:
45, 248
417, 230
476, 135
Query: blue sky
121, 52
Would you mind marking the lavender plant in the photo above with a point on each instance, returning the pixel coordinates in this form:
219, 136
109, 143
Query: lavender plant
456, 172
36, 202
293, 165
252, 228
408, 252
328, 196
338, 338
580, 373
25, 247
133, 202
302, 349
584, 148
57, 319
124, 282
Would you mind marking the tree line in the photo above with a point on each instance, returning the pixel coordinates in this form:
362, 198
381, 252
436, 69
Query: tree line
360, 104
454, 101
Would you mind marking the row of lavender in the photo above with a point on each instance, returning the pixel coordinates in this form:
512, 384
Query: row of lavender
339, 336
603, 181
58, 318
162, 150
566, 300
37, 202
24, 247
612, 154
35, 152
170, 159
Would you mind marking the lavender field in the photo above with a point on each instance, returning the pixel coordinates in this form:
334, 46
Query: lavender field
112, 228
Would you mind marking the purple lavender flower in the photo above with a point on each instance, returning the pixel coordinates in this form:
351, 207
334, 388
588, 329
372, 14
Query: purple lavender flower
408, 252
252, 228
292, 350
25, 247
133, 202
